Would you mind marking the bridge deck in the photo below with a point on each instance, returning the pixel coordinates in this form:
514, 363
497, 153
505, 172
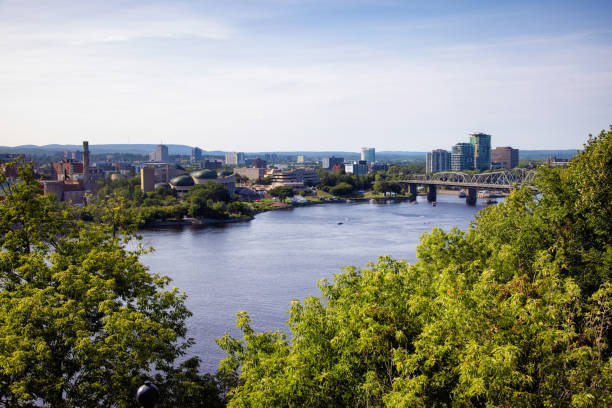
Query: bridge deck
459, 184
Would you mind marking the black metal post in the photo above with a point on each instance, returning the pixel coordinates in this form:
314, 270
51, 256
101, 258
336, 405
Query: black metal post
147, 395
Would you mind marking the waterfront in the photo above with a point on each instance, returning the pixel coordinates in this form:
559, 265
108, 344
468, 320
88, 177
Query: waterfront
261, 265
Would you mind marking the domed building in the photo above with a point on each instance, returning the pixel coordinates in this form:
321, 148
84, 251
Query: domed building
183, 183
202, 176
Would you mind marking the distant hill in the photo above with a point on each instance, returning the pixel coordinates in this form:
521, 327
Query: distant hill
176, 149
544, 154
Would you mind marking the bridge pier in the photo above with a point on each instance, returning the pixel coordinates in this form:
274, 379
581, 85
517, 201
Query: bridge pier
431, 192
413, 192
470, 198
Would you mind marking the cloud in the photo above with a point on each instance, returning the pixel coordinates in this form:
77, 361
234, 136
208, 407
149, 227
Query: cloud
96, 24
196, 78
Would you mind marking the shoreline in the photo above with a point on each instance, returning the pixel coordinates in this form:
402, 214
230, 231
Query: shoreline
287, 206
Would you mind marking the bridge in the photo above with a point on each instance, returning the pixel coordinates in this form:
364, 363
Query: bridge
499, 180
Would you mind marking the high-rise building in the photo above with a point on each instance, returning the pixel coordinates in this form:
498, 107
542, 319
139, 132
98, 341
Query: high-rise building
196, 154
234, 158
300, 158
329, 162
482, 150
160, 154
462, 157
504, 156
438, 160
368, 154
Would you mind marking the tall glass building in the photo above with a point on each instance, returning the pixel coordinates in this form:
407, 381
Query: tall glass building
482, 150
462, 157
438, 160
368, 154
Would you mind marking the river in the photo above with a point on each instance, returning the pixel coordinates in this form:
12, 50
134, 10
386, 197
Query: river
261, 265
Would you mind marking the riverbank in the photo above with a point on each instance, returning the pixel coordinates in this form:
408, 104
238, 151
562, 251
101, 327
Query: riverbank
194, 221
270, 206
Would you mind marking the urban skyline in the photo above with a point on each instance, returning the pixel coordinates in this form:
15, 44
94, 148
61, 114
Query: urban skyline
304, 75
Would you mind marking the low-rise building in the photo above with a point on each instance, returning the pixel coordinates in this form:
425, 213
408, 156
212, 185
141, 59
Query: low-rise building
67, 169
357, 168
303, 175
183, 183
328, 163
251, 173
555, 162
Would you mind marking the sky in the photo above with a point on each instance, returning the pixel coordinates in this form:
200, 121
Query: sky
281, 75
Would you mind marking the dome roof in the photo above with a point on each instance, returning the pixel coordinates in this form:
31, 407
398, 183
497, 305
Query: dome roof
182, 181
204, 174
226, 172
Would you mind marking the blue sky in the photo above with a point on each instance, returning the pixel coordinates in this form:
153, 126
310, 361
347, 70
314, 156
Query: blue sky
305, 74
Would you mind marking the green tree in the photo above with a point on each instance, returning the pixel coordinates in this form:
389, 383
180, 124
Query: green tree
387, 186
82, 321
515, 311
342, 189
281, 192
202, 197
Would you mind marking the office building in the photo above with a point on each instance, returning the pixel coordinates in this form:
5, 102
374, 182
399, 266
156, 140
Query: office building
438, 160
504, 157
329, 162
252, 173
374, 167
259, 163
300, 159
67, 169
196, 154
212, 164
147, 179
160, 154
368, 154
482, 150
462, 157
357, 168
234, 158
300, 175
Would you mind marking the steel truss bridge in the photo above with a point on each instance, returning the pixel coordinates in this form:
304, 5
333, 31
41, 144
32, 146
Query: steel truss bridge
499, 180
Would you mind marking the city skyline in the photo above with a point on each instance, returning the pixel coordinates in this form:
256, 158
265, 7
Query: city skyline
305, 75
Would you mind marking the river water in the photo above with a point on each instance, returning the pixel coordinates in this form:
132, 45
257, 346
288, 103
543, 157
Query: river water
261, 265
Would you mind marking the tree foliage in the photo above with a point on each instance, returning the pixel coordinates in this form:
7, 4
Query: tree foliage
281, 192
82, 321
514, 312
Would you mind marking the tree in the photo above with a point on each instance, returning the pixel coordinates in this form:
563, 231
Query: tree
387, 186
82, 321
281, 192
202, 197
515, 311
342, 189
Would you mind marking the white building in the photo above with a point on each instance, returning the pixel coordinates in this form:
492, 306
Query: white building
234, 158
